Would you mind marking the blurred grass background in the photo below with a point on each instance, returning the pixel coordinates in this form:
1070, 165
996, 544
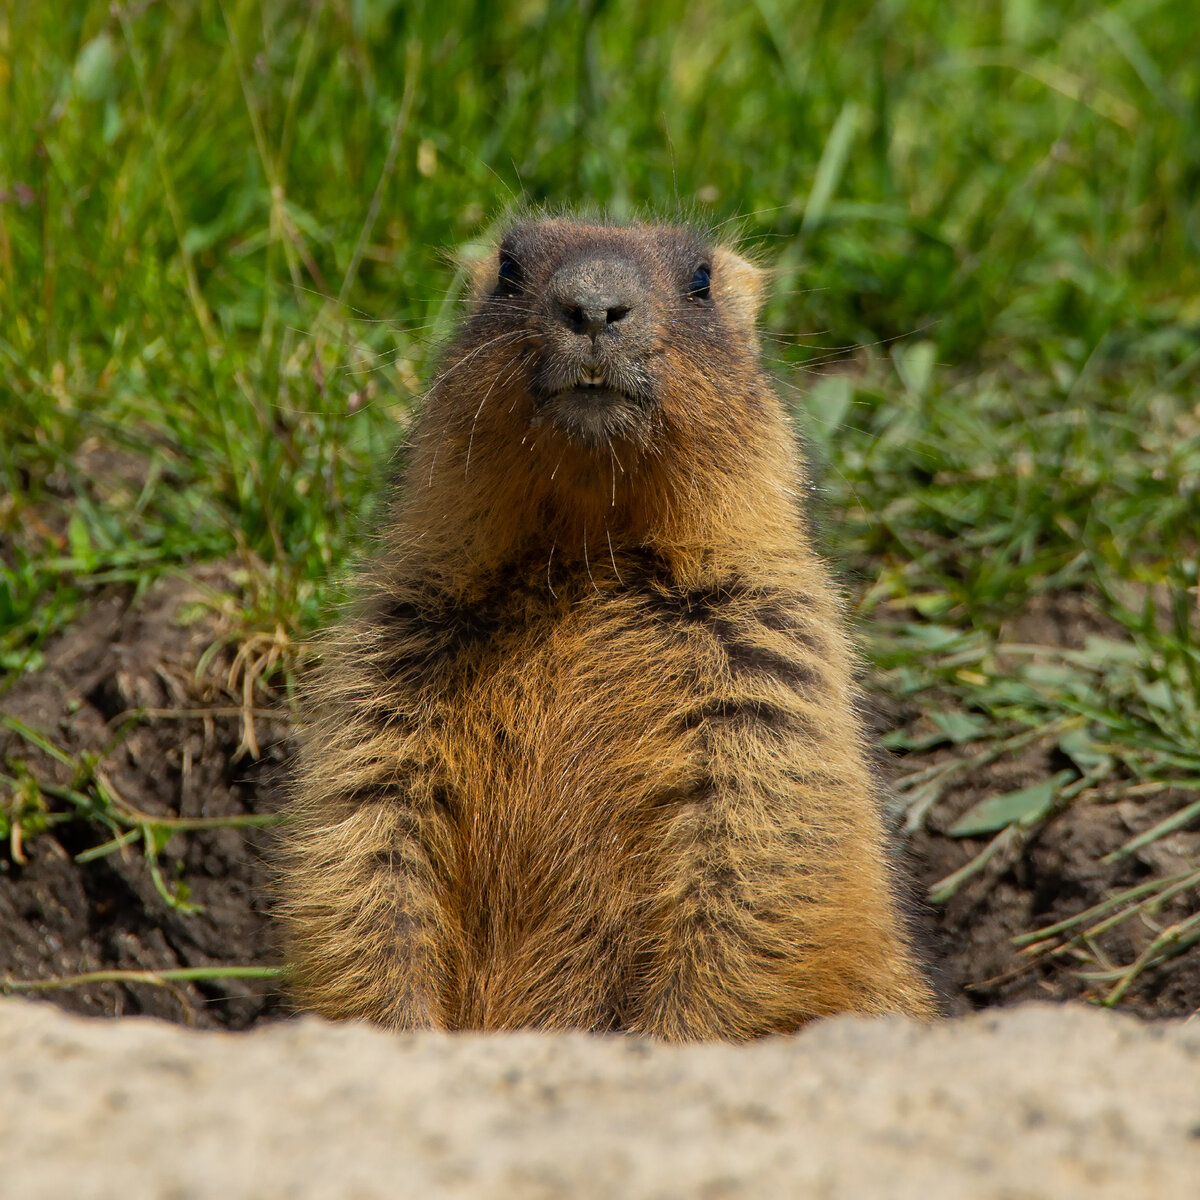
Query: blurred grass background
227, 247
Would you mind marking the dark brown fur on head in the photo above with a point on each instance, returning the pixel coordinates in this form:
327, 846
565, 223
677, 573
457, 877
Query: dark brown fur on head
621, 327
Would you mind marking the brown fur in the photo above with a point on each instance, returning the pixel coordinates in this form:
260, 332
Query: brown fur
588, 756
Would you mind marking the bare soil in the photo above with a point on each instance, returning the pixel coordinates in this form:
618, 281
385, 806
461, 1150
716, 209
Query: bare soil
1055, 873
124, 684
131, 684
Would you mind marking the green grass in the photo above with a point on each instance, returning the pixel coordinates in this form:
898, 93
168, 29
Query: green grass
228, 237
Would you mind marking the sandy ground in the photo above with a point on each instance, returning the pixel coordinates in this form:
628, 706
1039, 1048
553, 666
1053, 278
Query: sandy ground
1031, 1102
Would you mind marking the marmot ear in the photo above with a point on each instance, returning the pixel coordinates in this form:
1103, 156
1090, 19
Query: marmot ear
738, 286
481, 269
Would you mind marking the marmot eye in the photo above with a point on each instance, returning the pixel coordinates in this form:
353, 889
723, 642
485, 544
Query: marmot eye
698, 288
511, 277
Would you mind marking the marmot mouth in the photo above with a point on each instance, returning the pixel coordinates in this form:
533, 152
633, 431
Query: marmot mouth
593, 414
591, 393
592, 385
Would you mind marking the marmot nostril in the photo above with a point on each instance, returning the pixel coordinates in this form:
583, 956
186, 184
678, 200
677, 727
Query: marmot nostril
592, 321
588, 321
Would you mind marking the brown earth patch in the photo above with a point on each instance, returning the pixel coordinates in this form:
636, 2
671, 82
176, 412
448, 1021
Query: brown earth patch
1057, 873
123, 687
1054, 873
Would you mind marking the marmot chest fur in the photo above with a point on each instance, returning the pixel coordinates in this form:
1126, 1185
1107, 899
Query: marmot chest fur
586, 754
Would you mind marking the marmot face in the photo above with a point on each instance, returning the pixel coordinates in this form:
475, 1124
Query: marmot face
608, 338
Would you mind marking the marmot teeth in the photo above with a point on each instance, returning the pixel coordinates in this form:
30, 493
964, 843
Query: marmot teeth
593, 378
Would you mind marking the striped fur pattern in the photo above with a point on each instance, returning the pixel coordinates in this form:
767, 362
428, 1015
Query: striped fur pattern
586, 753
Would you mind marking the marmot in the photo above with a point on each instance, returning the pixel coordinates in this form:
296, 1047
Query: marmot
586, 756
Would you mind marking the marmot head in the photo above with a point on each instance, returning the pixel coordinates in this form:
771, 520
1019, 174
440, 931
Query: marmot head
610, 332
607, 378
617, 322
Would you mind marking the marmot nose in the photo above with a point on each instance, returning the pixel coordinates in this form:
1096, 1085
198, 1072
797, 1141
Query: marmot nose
592, 295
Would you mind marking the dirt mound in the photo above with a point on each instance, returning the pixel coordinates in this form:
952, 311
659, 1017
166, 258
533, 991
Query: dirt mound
1041, 1103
